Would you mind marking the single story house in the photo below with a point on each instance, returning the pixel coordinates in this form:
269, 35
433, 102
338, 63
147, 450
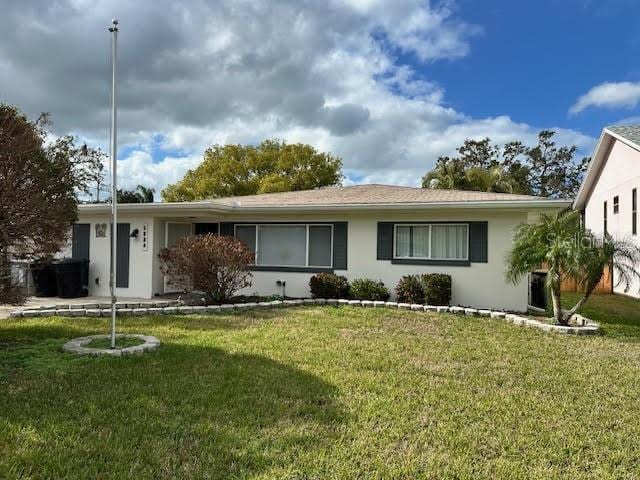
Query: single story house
374, 231
608, 196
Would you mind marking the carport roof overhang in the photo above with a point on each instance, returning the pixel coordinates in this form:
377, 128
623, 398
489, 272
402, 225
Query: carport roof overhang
214, 208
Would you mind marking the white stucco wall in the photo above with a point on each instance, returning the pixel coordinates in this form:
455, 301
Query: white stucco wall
140, 261
619, 176
480, 284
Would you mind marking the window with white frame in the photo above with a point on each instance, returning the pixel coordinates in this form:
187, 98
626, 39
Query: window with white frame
437, 241
289, 245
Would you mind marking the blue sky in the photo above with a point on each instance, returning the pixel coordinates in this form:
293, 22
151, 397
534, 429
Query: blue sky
533, 59
389, 86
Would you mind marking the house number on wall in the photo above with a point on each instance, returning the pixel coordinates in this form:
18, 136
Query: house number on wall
144, 238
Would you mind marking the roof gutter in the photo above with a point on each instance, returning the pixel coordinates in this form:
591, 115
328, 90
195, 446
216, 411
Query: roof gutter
211, 206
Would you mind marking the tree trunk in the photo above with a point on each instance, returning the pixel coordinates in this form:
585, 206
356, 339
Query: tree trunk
556, 299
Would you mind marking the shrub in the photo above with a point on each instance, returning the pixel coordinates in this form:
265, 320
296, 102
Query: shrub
367, 289
410, 289
437, 288
212, 264
329, 285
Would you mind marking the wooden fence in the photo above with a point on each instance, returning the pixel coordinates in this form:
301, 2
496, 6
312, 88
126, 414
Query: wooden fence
605, 285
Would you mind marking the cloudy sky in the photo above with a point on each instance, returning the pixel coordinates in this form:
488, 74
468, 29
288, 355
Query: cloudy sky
387, 85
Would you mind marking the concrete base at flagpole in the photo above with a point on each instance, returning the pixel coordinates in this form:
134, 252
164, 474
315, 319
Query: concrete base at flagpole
79, 346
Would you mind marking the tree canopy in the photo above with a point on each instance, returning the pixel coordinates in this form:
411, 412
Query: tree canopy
39, 187
141, 194
271, 166
545, 169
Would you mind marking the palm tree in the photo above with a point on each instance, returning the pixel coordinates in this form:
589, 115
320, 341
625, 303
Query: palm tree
570, 252
491, 179
145, 193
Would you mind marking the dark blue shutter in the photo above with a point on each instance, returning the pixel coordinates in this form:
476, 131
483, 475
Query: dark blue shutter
80, 241
478, 242
385, 240
122, 259
340, 245
226, 228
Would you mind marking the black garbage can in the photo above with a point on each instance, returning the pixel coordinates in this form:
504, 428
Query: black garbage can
69, 277
44, 279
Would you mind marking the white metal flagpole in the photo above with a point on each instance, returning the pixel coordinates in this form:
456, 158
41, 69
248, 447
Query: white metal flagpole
114, 184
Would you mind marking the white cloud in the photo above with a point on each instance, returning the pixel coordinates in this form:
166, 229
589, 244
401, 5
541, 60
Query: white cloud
609, 95
199, 73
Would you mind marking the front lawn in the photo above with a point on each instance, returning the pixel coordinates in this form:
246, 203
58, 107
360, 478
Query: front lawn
319, 392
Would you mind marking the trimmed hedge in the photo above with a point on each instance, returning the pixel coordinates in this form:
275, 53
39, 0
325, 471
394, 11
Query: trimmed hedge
410, 289
437, 288
429, 288
367, 289
329, 285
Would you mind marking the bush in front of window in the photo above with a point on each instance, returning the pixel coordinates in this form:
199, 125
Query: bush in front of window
214, 265
437, 288
367, 289
329, 285
410, 289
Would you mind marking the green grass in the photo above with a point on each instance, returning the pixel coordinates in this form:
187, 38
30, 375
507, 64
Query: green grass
320, 393
618, 316
120, 342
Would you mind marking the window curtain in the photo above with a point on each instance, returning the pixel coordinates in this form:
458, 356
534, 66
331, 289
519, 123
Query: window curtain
420, 241
403, 241
449, 242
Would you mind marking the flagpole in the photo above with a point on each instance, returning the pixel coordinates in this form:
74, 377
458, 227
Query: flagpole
114, 184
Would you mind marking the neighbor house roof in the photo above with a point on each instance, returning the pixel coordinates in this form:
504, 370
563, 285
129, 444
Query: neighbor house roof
627, 134
355, 197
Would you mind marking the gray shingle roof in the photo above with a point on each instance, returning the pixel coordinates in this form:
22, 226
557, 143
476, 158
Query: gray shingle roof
368, 194
629, 132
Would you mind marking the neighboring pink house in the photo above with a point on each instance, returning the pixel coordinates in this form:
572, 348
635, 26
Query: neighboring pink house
608, 196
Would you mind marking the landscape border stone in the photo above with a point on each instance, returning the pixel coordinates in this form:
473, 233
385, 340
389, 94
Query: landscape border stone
584, 327
78, 345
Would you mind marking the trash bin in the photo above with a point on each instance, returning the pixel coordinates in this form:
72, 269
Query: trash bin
44, 279
69, 277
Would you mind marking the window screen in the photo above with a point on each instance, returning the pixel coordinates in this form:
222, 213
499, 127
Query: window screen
282, 245
176, 231
247, 234
320, 245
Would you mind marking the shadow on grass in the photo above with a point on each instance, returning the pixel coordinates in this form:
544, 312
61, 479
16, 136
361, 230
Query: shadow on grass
185, 411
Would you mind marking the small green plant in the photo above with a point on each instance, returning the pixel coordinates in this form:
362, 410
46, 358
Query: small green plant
367, 289
437, 288
410, 289
329, 285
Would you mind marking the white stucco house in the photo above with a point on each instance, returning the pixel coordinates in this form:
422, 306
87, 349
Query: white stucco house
608, 196
374, 231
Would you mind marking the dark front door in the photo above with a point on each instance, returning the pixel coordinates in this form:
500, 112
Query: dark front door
81, 233
122, 260
203, 228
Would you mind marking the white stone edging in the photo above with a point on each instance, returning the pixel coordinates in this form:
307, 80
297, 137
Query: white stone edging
79, 345
171, 308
